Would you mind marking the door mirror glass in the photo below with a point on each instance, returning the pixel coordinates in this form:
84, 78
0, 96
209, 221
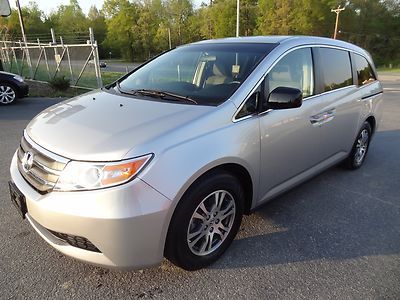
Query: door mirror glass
5, 9
284, 98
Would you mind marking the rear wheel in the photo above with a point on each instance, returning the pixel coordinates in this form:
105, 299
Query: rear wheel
8, 94
360, 148
205, 221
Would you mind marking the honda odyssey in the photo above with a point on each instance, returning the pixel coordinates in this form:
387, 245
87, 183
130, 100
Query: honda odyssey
165, 161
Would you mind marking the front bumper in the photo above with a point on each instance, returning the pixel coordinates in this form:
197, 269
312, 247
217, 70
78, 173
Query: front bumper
127, 223
23, 89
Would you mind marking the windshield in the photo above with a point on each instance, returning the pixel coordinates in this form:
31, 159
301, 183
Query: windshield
205, 74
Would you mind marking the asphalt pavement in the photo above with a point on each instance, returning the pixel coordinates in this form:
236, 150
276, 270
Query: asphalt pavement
336, 236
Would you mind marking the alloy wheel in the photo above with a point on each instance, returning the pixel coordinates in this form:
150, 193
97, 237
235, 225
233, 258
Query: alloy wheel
7, 94
361, 146
211, 223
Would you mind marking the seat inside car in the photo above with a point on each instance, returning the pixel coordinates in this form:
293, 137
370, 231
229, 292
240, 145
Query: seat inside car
281, 75
220, 74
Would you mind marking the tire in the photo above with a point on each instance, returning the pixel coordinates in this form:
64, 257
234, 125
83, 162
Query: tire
197, 220
8, 94
360, 148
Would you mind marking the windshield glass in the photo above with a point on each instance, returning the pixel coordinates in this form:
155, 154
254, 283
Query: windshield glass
207, 74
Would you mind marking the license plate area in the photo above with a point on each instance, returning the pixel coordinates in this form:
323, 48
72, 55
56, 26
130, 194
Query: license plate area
18, 199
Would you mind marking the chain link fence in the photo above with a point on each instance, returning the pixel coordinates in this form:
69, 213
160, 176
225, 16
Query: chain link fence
78, 62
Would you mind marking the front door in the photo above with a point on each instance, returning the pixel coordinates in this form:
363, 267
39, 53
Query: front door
290, 144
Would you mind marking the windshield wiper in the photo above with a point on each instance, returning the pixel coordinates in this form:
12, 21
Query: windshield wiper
163, 94
155, 93
121, 90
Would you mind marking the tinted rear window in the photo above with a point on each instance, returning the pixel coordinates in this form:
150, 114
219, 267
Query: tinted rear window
336, 68
365, 74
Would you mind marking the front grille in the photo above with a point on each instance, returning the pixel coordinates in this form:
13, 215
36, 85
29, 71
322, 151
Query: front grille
45, 168
76, 241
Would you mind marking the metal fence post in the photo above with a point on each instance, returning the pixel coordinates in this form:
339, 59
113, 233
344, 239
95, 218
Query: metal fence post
22, 59
70, 65
45, 59
15, 59
54, 41
95, 58
38, 60
28, 57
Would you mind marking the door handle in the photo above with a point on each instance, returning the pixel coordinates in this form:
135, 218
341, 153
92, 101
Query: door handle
323, 117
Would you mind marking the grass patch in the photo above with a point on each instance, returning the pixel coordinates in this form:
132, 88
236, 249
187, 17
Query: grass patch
44, 89
392, 70
87, 80
109, 77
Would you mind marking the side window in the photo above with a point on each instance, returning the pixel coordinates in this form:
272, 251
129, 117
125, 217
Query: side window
250, 107
335, 68
365, 74
294, 70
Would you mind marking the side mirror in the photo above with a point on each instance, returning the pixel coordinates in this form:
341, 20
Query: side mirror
284, 98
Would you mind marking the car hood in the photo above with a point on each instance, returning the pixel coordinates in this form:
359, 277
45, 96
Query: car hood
102, 126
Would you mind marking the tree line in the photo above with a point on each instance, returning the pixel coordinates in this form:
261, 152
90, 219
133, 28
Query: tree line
139, 29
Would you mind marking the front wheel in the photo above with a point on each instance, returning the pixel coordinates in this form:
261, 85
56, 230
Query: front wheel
360, 148
205, 221
8, 94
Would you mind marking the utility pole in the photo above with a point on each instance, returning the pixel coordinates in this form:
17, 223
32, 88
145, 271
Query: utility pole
237, 17
21, 22
169, 38
337, 11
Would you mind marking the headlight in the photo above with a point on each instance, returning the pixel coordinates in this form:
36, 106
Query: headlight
18, 78
90, 176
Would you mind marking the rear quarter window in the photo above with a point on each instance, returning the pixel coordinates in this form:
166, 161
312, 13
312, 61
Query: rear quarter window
335, 69
365, 74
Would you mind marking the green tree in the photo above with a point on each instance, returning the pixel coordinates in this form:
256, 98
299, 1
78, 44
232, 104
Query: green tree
202, 23
179, 12
121, 16
289, 17
248, 17
34, 19
373, 25
223, 14
97, 21
151, 17
69, 18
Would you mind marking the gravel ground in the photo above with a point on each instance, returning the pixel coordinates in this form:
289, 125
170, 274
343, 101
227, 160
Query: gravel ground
335, 237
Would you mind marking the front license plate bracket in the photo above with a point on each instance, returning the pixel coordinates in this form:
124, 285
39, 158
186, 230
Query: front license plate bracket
18, 199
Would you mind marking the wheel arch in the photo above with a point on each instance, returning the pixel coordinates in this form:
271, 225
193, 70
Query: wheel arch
234, 168
372, 122
244, 177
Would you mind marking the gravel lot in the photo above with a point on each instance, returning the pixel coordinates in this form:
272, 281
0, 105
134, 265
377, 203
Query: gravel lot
335, 237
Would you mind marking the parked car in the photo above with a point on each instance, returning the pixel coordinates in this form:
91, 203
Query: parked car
12, 87
166, 160
102, 64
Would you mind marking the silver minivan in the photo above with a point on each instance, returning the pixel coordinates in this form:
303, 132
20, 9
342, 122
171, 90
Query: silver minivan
165, 161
